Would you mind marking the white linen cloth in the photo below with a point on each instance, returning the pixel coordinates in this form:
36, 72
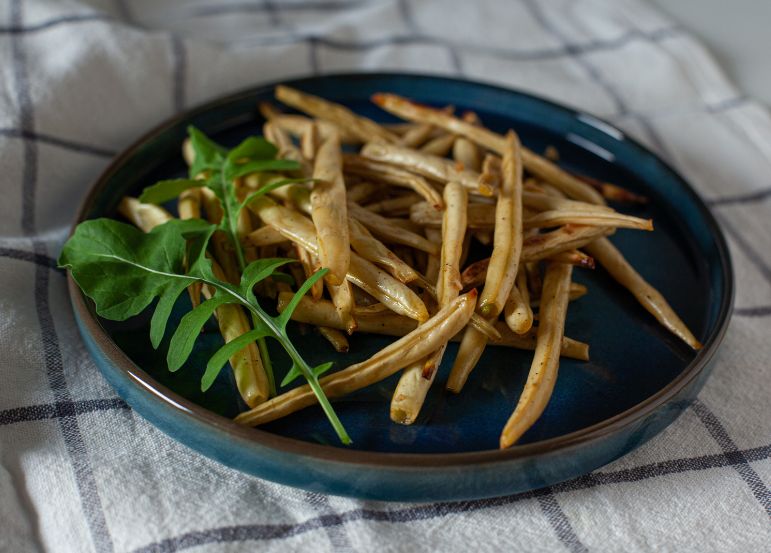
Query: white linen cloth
80, 80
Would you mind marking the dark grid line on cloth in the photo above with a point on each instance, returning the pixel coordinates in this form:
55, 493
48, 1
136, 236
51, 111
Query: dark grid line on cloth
661, 468
559, 521
275, 11
723, 439
313, 55
281, 6
759, 311
336, 533
408, 18
240, 533
569, 50
405, 11
530, 54
178, 72
124, 12
714, 108
273, 16
58, 410
32, 257
746, 198
728, 103
506, 53
455, 61
26, 122
73, 439
18, 28
66, 144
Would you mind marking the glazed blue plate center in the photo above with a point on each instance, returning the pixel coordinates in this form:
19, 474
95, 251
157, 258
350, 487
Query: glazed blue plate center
632, 357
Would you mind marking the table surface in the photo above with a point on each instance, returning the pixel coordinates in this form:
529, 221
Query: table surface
736, 33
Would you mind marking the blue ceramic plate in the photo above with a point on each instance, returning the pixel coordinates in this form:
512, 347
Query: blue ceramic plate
639, 378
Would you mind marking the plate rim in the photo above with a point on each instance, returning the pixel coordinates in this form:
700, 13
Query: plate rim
148, 386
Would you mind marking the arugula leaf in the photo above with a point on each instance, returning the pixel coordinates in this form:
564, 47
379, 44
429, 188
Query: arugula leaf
225, 192
233, 171
321, 369
259, 270
162, 312
285, 315
189, 328
208, 154
197, 233
218, 360
296, 372
268, 188
165, 190
123, 270
255, 155
278, 276
254, 147
292, 375
216, 165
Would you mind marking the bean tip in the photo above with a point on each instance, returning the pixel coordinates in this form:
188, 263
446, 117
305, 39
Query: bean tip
379, 99
428, 370
486, 190
400, 416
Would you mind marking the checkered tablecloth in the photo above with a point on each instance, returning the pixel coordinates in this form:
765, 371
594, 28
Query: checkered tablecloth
80, 80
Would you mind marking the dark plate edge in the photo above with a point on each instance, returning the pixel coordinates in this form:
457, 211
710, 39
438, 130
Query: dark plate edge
405, 460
